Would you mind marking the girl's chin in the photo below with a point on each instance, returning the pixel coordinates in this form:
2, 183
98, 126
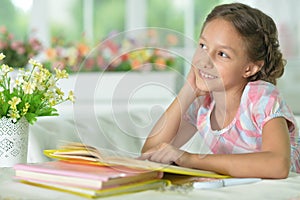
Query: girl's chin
202, 86
209, 85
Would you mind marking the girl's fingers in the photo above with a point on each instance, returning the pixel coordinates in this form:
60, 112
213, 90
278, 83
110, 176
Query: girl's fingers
155, 154
163, 153
145, 156
149, 153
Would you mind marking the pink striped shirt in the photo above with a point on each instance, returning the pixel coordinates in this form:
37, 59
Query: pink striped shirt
260, 102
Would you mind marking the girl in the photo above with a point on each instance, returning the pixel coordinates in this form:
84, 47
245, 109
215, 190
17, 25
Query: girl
232, 102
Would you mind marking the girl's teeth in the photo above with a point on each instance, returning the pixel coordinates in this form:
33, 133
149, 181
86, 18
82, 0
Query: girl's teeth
207, 75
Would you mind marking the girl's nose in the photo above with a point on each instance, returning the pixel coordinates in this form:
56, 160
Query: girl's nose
206, 60
208, 65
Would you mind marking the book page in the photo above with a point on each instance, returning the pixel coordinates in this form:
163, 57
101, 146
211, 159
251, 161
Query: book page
111, 158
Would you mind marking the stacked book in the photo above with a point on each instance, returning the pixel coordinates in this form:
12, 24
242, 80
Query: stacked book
88, 180
83, 170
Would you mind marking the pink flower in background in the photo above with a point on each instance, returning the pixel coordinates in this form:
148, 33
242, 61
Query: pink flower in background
18, 52
113, 54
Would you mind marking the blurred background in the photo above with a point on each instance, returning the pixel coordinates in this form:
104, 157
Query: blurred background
85, 23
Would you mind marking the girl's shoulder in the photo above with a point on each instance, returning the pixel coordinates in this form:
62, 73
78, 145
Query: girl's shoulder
257, 91
263, 101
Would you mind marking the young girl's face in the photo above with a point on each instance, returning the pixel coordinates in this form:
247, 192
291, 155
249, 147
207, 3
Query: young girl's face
228, 58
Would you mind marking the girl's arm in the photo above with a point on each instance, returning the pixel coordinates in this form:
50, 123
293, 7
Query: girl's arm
272, 162
169, 124
170, 128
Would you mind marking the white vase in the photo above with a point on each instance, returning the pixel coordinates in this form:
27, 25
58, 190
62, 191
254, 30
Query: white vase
13, 141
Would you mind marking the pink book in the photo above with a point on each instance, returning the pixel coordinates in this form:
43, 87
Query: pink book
82, 175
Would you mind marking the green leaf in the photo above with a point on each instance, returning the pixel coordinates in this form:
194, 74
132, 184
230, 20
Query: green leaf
47, 112
31, 117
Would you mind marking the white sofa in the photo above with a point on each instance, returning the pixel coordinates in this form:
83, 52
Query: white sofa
123, 131
112, 110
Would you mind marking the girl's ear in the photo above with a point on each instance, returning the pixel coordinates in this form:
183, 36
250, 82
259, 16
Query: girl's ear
253, 68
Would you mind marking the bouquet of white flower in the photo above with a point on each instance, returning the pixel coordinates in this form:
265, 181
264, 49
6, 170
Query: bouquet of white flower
31, 93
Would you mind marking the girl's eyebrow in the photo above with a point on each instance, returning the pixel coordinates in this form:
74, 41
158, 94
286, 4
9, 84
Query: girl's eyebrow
220, 45
202, 37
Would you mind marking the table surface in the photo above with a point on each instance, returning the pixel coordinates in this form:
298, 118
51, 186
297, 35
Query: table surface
288, 189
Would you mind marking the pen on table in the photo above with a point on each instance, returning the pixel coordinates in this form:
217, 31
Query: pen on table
224, 182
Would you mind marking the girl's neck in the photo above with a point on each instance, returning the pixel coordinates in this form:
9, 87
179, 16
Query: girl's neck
226, 107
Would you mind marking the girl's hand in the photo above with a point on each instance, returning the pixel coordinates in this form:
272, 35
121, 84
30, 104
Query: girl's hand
163, 153
191, 80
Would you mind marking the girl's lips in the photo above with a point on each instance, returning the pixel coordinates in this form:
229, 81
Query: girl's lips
206, 75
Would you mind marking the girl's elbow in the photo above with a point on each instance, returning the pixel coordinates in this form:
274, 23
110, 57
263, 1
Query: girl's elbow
281, 168
285, 170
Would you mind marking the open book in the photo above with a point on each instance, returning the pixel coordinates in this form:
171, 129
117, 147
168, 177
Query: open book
87, 154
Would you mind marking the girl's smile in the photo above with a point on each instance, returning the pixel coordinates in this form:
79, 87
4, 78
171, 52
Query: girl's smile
206, 75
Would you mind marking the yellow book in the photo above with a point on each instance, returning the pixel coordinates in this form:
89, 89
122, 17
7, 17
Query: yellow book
89, 193
83, 153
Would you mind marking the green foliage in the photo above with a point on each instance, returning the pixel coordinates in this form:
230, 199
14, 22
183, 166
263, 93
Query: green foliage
31, 93
166, 14
13, 19
108, 16
202, 8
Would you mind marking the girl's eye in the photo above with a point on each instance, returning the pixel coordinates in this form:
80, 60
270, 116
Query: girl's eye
224, 55
203, 46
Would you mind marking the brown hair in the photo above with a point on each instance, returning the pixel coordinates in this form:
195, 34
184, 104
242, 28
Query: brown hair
260, 35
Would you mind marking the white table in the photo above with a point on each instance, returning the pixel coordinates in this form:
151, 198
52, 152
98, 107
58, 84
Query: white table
288, 189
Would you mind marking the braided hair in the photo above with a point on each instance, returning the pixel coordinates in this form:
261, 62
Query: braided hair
260, 35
